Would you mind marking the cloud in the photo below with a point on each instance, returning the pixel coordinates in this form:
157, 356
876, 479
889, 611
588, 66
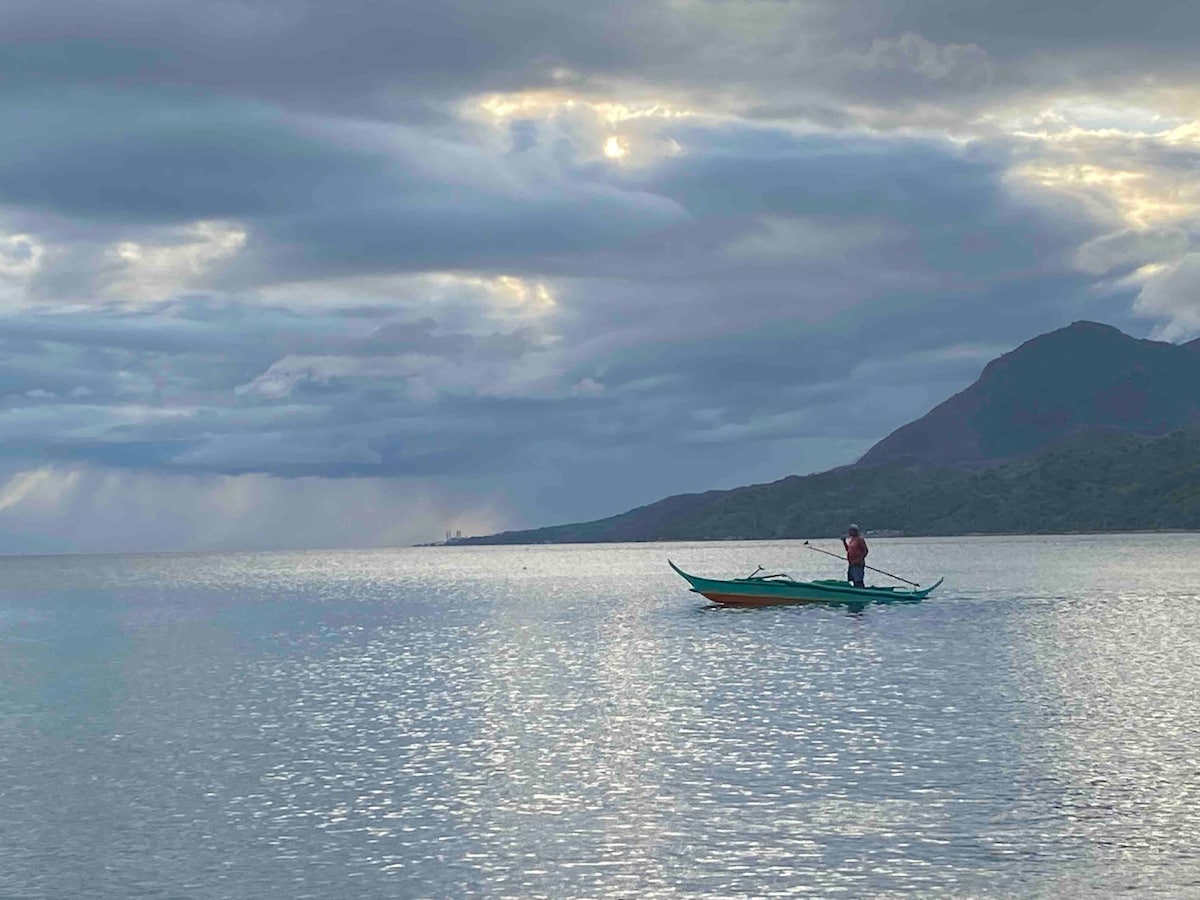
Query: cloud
912, 53
745, 306
1174, 293
1131, 248
153, 271
186, 185
574, 257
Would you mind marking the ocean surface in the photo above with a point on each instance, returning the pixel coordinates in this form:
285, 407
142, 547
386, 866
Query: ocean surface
570, 721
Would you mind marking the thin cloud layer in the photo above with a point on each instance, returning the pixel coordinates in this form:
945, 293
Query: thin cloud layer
545, 262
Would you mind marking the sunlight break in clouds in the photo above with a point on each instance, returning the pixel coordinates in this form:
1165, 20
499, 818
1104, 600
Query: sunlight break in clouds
615, 148
644, 136
1130, 166
532, 296
157, 271
502, 108
1118, 156
1136, 196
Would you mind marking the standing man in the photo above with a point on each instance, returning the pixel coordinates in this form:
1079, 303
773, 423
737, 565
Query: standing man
856, 556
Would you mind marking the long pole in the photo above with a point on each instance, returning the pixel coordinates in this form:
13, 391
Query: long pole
865, 566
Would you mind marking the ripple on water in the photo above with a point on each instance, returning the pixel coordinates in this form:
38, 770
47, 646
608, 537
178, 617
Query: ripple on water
568, 722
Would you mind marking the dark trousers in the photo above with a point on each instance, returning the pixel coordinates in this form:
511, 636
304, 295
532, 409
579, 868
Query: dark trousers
855, 574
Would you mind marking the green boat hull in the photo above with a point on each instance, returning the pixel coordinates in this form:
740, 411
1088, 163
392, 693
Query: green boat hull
776, 590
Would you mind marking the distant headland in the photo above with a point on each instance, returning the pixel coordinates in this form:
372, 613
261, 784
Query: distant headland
1080, 429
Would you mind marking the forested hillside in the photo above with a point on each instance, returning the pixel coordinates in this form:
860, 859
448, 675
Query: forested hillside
1081, 429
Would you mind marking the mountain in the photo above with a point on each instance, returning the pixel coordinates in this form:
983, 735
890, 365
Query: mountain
1083, 376
1081, 429
1099, 480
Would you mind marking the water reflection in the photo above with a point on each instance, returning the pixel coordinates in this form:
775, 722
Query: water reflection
1112, 722
564, 722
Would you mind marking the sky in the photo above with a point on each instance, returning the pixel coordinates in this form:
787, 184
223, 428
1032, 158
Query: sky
288, 273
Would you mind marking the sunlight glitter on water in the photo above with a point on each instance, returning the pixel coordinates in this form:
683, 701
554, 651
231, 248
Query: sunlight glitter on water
570, 721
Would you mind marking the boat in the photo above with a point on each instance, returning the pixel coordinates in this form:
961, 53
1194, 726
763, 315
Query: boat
773, 590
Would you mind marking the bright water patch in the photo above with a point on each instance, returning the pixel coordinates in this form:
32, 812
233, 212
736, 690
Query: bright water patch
571, 721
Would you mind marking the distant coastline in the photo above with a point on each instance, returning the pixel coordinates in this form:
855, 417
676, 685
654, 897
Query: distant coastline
1113, 448
483, 540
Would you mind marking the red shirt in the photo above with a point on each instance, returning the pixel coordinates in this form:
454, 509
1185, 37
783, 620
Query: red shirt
856, 549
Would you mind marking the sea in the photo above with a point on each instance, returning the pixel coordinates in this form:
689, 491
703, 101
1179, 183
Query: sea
571, 721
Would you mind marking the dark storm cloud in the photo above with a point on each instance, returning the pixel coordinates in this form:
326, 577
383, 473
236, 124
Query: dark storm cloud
148, 390
316, 203
745, 333
146, 157
309, 54
1029, 26
784, 234
284, 239
407, 59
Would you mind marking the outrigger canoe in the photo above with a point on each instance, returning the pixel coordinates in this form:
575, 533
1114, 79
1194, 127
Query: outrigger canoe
772, 590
